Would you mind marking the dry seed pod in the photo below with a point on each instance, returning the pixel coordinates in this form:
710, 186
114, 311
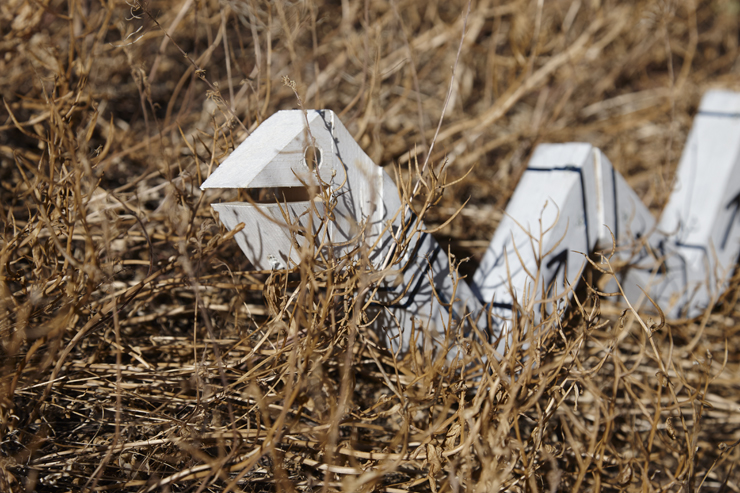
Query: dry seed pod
670, 430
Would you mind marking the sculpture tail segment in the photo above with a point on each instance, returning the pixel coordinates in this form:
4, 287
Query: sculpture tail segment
684, 262
697, 242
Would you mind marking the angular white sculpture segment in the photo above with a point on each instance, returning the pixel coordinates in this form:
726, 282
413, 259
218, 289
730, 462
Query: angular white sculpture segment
426, 289
274, 157
698, 233
549, 216
366, 210
274, 154
623, 218
569, 201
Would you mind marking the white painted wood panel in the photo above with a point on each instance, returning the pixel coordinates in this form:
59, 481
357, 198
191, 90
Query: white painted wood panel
623, 218
698, 234
423, 288
266, 239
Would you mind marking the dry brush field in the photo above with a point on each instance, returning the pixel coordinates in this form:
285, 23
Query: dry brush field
140, 352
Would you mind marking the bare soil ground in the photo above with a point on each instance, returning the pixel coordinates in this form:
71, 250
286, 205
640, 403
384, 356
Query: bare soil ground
139, 351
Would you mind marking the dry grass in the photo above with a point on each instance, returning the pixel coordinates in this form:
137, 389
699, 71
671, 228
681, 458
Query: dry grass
139, 352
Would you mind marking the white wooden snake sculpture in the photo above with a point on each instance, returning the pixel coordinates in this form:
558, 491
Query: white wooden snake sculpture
569, 202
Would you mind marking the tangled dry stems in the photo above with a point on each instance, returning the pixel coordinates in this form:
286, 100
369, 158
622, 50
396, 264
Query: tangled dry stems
140, 353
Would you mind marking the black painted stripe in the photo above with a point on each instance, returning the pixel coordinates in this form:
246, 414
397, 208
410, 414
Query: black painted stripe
718, 114
695, 247
495, 304
684, 273
616, 202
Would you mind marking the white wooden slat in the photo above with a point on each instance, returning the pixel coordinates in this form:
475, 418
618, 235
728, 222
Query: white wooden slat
265, 239
698, 233
273, 155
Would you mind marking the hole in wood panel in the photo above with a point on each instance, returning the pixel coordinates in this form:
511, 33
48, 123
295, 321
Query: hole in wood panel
312, 157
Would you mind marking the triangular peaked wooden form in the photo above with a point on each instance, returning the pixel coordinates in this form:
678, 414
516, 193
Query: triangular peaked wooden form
274, 157
367, 209
569, 202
